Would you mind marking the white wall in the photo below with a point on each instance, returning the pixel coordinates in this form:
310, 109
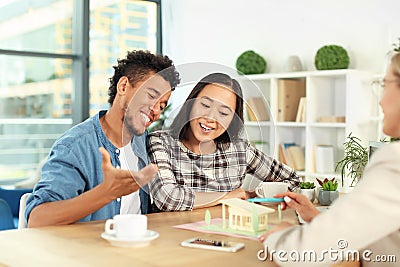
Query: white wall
220, 30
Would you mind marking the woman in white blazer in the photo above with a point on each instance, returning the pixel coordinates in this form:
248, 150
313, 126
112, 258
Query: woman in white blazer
364, 223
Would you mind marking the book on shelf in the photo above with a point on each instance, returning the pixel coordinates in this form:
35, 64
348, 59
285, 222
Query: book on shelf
256, 109
250, 113
301, 110
296, 157
283, 155
289, 93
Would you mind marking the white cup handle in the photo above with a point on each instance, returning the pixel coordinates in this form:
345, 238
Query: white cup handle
107, 227
259, 191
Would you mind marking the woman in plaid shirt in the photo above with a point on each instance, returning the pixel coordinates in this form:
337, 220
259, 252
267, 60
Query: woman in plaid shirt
202, 157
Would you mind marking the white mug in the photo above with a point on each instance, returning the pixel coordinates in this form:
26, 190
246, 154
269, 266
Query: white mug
270, 189
127, 226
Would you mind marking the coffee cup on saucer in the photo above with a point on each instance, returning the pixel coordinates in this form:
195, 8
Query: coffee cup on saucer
127, 226
270, 189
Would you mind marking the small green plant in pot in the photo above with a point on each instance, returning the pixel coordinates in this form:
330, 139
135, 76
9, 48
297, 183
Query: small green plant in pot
307, 185
329, 192
308, 189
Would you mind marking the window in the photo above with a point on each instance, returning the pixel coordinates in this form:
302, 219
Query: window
44, 77
115, 28
40, 26
261, 220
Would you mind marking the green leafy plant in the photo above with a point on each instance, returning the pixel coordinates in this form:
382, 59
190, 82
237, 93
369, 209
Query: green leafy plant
249, 62
331, 57
354, 160
29, 80
307, 185
328, 185
54, 76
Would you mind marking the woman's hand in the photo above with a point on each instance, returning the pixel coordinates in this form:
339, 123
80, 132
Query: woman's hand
301, 204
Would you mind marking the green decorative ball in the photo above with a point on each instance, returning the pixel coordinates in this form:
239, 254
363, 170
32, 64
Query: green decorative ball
249, 62
331, 57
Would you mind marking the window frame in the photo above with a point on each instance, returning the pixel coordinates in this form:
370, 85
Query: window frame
80, 56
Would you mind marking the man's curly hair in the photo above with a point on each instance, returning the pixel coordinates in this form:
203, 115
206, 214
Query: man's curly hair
137, 65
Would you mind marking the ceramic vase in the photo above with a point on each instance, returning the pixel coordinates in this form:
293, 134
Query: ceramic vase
327, 197
309, 193
293, 63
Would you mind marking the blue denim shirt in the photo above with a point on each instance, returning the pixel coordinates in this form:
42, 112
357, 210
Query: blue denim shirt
74, 167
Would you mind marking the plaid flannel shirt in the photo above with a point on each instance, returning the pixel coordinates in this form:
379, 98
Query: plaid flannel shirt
182, 172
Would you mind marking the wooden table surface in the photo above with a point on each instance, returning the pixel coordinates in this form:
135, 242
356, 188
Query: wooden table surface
81, 244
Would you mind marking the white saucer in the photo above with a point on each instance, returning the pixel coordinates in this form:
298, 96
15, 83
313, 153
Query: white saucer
137, 242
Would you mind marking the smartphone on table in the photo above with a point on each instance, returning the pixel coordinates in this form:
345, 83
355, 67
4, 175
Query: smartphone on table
218, 245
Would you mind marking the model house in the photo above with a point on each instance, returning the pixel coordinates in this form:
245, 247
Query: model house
244, 216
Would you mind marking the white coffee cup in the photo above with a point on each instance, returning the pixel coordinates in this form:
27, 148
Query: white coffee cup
270, 189
127, 226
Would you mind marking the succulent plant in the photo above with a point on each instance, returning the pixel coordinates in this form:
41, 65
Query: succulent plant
328, 185
307, 185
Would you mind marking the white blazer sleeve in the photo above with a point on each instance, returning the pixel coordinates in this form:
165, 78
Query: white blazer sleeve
367, 214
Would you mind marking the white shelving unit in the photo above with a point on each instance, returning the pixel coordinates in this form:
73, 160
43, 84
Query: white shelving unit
345, 93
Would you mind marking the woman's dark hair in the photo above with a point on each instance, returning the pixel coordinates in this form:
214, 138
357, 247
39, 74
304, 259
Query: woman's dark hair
181, 124
137, 65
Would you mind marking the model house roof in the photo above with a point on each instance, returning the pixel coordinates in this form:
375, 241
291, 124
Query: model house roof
246, 207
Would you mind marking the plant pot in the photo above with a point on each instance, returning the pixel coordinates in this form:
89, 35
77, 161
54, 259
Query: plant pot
309, 193
327, 197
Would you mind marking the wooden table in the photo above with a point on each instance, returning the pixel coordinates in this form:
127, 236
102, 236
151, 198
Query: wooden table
80, 244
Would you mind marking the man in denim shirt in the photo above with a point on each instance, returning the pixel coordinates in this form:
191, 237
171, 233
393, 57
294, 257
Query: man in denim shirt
78, 182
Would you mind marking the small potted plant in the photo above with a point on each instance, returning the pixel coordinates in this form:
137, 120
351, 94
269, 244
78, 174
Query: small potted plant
329, 192
308, 189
